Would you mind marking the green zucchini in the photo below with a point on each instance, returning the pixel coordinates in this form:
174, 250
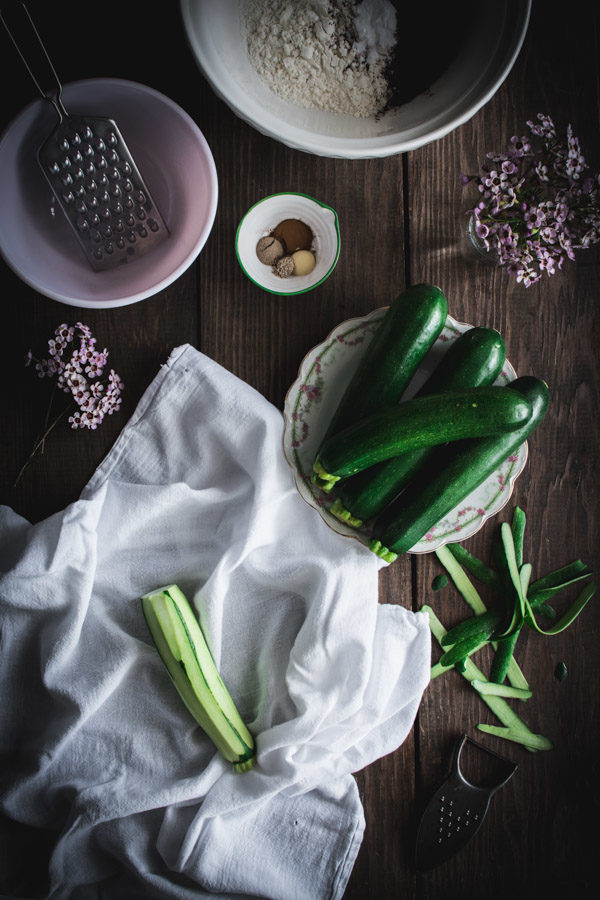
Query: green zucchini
455, 472
482, 626
421, 422
408, 330
474, 359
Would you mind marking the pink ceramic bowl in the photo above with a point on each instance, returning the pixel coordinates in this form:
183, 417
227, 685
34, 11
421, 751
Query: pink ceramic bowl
175, 160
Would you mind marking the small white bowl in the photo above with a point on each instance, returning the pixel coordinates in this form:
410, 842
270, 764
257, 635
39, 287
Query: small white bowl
264, 216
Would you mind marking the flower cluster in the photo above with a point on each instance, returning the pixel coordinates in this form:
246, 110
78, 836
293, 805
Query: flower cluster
78, 365
539, 203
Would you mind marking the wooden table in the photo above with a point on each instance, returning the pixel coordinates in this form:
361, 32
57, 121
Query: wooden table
402, 221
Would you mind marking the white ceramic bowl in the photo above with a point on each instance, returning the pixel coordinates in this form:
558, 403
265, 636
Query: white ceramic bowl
494, 36
264, 216
175, 161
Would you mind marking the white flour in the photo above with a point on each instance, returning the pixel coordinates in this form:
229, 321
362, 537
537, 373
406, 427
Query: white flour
322, 54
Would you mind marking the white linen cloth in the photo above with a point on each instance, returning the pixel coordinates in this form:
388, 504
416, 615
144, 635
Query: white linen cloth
96, 743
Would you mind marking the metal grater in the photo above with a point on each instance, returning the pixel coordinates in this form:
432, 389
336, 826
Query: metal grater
96, 181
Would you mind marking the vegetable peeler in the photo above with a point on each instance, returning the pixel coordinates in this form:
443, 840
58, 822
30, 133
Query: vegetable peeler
456, 810
95, 179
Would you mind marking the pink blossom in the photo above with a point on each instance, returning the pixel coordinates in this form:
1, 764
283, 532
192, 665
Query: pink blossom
538, 202
93, 399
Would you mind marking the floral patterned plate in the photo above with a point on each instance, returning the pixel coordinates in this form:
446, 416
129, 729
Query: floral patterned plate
313, 397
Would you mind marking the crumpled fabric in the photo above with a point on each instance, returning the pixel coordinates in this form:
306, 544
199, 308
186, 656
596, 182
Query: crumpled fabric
98, 750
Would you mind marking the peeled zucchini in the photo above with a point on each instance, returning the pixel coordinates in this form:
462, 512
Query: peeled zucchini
187, 657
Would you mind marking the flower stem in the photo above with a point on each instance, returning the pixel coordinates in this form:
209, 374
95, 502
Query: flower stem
40, 442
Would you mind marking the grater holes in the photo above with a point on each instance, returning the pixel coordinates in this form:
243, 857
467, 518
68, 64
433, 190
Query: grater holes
101, 191
451, 824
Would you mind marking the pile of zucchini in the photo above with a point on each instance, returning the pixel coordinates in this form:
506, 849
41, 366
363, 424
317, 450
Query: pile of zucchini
405, 464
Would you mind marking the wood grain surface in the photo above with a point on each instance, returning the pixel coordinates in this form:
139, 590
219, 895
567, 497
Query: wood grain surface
402, 221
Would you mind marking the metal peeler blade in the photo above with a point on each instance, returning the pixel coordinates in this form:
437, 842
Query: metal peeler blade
456, 810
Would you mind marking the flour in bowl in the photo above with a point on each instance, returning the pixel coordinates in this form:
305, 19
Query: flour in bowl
324, 54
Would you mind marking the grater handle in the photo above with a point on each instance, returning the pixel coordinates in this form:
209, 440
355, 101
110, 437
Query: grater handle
55, 98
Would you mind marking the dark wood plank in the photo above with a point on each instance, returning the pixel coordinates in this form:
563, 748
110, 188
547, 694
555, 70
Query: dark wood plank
535, 840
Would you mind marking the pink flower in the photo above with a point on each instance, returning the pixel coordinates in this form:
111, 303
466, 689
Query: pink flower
537, 202
90, 399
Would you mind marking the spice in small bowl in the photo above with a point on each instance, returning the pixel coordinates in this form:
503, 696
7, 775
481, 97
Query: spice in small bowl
269, 250
288, 249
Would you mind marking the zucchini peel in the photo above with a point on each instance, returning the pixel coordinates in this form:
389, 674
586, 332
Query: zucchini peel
183, 649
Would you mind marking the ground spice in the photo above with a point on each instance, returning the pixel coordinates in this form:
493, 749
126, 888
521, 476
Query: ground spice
284, 267
294, 235
269, 250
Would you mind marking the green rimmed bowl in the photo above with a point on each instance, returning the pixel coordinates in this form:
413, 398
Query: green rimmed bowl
264, 216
